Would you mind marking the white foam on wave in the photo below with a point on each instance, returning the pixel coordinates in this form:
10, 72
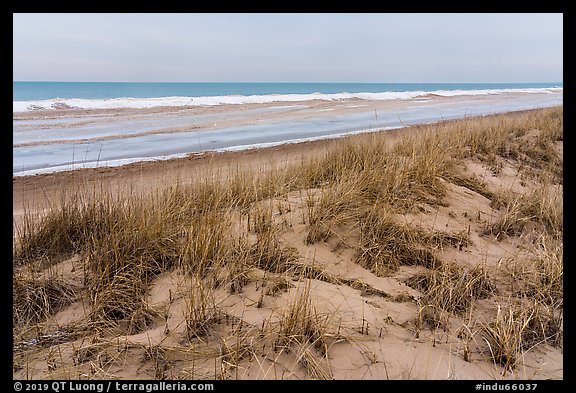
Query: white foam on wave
138, 103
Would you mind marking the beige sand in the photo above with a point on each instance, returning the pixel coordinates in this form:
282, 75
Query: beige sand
381, 340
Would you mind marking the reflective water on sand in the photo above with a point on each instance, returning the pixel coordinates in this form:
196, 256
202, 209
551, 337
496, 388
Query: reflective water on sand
110, 139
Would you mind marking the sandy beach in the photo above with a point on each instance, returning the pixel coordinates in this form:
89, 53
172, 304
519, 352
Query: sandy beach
328, 311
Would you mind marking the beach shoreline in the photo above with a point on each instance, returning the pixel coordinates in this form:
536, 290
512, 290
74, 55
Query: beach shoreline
35, 191
60, 139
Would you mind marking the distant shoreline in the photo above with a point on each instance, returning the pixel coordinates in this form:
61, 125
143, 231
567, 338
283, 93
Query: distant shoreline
56, 140
54, 96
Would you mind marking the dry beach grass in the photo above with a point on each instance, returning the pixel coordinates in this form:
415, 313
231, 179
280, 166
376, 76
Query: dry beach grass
431, 252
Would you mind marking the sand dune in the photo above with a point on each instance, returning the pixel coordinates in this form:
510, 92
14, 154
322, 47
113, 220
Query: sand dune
431, 252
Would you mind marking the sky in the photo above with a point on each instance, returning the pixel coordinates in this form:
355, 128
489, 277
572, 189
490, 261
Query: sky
260, 47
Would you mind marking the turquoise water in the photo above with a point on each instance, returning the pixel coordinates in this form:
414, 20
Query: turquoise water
34, 91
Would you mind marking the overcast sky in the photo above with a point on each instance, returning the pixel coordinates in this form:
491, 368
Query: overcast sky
341, 47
